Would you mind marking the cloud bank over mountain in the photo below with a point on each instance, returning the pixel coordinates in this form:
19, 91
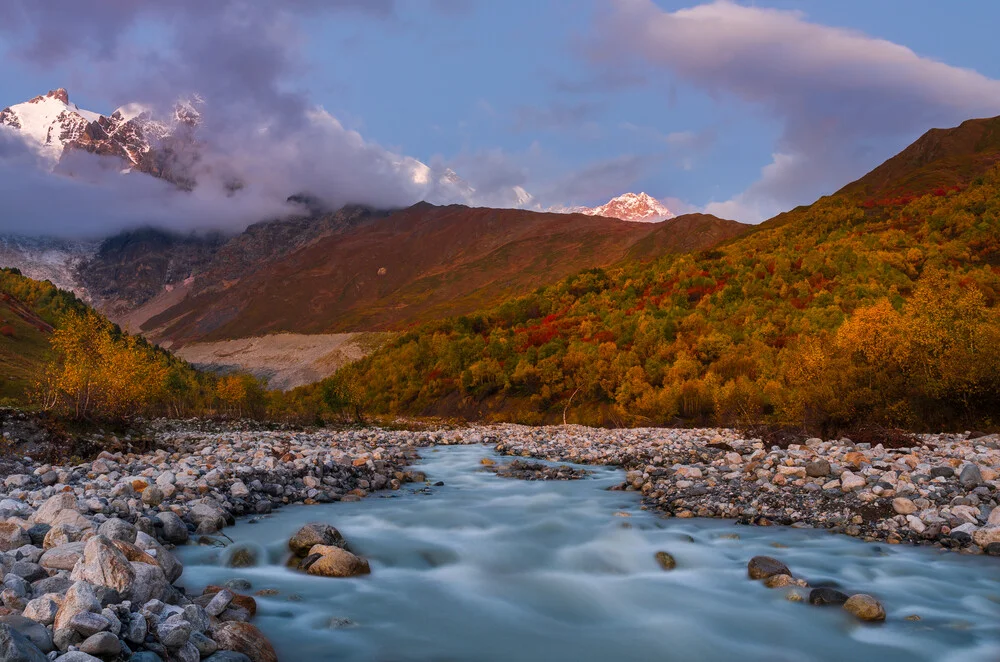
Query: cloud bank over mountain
242, 60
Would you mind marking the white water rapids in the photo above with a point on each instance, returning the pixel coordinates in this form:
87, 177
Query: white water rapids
487, 569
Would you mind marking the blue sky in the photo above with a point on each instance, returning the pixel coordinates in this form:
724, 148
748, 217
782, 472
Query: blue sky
450, 86
580, 100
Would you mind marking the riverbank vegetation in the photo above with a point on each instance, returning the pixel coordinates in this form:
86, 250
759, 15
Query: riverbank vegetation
850, 310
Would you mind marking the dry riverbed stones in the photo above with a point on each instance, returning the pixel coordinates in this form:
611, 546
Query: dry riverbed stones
85, 550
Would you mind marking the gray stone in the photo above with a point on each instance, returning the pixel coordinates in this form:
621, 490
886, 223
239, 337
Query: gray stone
32, 572
227, 656
207, 515
173, 632
171, 567
34, 632
204, 645
970, 477
174, 529
197, 617
55, 584
134, 631
117, 529
220, 601
78, 656
88, 623
101, 644
15, 647
145, 656
152, 496
187, 653
17, 584
942, 472
150, 584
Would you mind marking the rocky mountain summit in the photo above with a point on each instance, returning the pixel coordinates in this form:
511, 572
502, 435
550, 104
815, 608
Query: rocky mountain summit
639, 207
55, 128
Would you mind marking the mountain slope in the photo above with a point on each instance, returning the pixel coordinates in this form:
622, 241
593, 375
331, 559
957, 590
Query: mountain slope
851, 309
941, 158
413, 265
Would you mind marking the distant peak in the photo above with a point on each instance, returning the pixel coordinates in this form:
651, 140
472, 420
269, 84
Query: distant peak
60, 94
640, 207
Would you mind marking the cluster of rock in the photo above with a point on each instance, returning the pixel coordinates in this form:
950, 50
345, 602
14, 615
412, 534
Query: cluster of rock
775, 574
85, 549
523, 470
320, 549
942, 490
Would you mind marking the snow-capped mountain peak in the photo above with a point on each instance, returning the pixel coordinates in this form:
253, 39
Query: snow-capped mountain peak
49, 122
639, 207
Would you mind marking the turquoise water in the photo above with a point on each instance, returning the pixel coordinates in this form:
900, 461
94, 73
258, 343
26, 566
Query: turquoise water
490, 569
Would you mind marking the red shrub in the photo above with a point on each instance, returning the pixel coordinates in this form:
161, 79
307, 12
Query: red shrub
7, 331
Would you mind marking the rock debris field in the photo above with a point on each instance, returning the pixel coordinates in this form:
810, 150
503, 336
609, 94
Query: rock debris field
85, 550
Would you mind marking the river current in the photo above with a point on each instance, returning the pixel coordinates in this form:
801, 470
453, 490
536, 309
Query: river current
488, 569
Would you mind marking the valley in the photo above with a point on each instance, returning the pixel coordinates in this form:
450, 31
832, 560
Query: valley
486, 332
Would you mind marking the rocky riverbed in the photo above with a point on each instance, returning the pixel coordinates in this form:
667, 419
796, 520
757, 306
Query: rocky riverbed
85, 550
942, 490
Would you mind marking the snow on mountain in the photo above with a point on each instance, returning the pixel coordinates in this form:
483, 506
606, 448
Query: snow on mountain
166, 147
49, 122
638, 207
47, 258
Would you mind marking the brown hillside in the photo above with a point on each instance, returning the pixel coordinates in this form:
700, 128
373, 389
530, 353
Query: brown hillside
421, 263
941, 158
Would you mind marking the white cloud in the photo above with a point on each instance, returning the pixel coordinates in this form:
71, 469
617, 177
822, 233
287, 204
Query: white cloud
843, 97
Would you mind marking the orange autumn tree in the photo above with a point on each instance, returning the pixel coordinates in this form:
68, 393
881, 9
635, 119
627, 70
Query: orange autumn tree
100, 372
940, 351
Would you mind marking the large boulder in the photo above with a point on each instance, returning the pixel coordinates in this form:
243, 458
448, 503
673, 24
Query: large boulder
312, 534
332, 561
244, 638
103, 564
15, 647
762, 567
34, 632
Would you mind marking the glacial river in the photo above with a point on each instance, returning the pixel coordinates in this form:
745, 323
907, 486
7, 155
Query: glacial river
487, 569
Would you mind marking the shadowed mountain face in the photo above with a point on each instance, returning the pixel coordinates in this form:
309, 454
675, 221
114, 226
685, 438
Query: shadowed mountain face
376, 272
